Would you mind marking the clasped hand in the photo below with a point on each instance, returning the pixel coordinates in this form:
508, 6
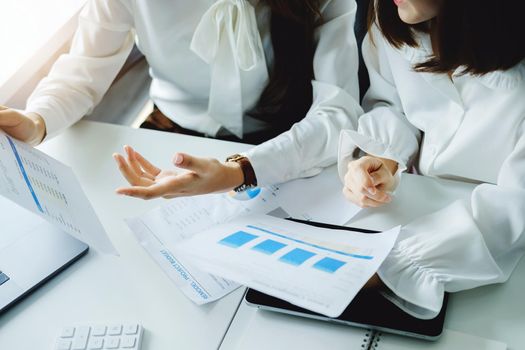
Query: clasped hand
202, 175
369, 181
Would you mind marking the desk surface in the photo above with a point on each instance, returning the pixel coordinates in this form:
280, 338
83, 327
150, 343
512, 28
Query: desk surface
130, 287
104, 288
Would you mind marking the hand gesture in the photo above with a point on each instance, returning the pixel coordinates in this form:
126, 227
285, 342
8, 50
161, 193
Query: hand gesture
369, 180
203, 175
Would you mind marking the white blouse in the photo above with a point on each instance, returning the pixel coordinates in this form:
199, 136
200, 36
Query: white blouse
209, 63
468, 128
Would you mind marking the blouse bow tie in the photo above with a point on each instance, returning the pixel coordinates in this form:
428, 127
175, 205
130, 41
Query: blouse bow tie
227, 38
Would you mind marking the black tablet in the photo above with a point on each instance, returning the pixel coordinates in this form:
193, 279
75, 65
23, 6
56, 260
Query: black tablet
369, 309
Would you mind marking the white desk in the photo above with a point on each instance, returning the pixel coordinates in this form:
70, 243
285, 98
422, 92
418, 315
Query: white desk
104, 288
132, 287
494, 312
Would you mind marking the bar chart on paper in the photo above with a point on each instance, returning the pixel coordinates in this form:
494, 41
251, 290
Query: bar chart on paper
43, 186
316, 268
50, 189
293, 251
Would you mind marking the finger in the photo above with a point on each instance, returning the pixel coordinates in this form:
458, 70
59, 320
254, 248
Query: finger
383, 179
148, 192
128, 173
379, 195
177, 186
142, 192
360, 199
362, 180
171, 196
146, 165
185, 161
381, 176
135, 164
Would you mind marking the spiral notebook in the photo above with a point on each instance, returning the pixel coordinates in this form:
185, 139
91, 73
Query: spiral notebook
269, 330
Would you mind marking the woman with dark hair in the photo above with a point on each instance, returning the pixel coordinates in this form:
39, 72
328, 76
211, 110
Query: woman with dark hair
446, 99
231, 69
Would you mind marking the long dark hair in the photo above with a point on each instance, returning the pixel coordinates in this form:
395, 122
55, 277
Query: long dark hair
288, 95
480, 36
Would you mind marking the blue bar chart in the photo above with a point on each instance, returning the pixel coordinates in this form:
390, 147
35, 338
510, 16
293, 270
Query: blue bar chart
329, 265
238, 239
269, 246
297, 256
292, 256
319, 269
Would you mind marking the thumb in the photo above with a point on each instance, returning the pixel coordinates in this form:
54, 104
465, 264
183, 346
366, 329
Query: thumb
373, 164
185, 161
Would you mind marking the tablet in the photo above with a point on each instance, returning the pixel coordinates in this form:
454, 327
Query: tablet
369, 309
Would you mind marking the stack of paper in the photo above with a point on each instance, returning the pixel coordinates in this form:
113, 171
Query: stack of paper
315, 268
328, 267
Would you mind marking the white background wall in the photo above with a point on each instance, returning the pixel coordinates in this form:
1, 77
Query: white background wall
32, 35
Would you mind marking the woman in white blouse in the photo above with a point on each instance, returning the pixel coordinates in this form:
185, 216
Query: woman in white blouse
231, 69
447, 96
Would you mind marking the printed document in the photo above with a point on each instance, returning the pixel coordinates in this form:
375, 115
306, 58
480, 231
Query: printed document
317, 198
50, 189
314, 268
180, 219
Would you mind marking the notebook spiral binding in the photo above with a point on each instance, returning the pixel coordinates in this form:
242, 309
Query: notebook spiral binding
374, 339
367, 340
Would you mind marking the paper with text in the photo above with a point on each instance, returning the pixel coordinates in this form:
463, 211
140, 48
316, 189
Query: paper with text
180, 219
315, 268
317, 198
50, 189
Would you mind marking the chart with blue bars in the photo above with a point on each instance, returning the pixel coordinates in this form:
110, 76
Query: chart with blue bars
289, 250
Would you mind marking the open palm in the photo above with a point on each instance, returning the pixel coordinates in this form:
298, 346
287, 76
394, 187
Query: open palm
202, 175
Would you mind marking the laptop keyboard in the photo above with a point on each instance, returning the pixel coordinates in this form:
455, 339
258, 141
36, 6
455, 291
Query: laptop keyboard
3, 278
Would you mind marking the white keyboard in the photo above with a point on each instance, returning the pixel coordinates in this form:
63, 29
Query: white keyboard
98, 337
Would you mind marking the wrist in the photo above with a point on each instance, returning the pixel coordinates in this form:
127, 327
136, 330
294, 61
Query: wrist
39, 131
249, 179
234, 175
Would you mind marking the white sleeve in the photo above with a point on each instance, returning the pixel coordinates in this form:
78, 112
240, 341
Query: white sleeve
79, 79
383, 130
465, 245
311, 144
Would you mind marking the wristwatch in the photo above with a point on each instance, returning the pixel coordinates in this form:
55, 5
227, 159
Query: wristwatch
250, 181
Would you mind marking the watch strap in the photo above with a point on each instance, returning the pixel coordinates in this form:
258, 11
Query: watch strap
250, 180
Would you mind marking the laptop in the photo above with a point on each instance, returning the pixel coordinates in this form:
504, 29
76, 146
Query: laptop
32, 251
369, 309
